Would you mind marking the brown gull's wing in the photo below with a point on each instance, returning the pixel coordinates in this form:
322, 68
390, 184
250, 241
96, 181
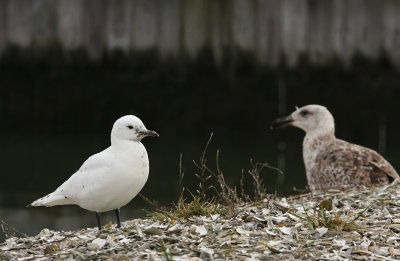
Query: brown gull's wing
382, 168
345, 165
365, 165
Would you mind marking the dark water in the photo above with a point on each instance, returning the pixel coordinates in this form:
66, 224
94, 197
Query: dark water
56, 110
32, 167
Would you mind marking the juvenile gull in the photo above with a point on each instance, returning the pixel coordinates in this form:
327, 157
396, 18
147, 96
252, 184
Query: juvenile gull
332, 163
110, 179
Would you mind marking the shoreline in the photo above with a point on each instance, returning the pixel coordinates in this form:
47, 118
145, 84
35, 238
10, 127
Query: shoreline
361, 225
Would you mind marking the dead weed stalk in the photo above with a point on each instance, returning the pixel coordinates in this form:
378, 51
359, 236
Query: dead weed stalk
213, 194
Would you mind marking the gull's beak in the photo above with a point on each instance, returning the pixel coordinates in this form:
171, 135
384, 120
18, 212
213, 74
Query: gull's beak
282, 122
149, 133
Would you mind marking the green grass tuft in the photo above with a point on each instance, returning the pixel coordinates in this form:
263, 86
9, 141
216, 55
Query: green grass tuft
321, 217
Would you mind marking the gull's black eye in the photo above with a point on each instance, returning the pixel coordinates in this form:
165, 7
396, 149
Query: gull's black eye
130, 127
305, 112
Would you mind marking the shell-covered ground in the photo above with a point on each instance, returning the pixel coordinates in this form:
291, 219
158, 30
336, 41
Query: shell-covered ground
355, 225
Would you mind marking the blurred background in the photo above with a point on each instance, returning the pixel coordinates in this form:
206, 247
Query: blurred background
187, 68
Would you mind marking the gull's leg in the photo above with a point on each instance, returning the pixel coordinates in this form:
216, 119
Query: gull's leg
98, 220
118, 220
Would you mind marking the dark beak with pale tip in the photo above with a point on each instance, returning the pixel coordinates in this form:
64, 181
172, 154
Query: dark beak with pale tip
281, 122
149, 133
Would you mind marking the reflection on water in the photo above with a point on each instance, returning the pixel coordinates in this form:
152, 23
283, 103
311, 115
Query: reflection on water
32, 221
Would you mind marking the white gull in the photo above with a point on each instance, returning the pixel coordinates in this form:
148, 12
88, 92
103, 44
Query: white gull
110, 179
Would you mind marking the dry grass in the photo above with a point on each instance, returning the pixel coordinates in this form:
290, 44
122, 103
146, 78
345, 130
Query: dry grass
213, 195
10, 231
323, 216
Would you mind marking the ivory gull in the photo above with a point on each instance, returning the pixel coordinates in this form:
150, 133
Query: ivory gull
110, 179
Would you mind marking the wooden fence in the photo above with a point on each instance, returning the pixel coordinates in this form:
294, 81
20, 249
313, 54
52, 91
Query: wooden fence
268, 28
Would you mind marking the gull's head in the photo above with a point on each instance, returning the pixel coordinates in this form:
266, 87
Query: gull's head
313, 119
131, 128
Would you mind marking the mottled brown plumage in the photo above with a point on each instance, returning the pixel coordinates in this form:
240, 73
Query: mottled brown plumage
332, 163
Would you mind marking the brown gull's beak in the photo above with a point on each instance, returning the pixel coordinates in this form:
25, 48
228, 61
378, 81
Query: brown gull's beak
282, 122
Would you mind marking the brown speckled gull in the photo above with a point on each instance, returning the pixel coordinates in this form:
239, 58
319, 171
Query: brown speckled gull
332, 163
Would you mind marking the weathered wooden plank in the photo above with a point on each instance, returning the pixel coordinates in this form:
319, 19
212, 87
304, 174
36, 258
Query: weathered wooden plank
3, 25
339, 28
43, 22
244, 21
19, 22
355, 22
170, 19
319, 31
391, 28
294, 29
118, 22
221, 33
373, 31
145, 24
70, 18
94, 26
194, 25
269, 25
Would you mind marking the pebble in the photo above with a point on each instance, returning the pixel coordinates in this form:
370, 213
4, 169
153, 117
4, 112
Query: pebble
259, 229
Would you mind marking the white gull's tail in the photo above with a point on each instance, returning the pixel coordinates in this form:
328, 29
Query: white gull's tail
53, 199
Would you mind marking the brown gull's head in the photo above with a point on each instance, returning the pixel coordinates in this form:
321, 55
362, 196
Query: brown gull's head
313, 119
